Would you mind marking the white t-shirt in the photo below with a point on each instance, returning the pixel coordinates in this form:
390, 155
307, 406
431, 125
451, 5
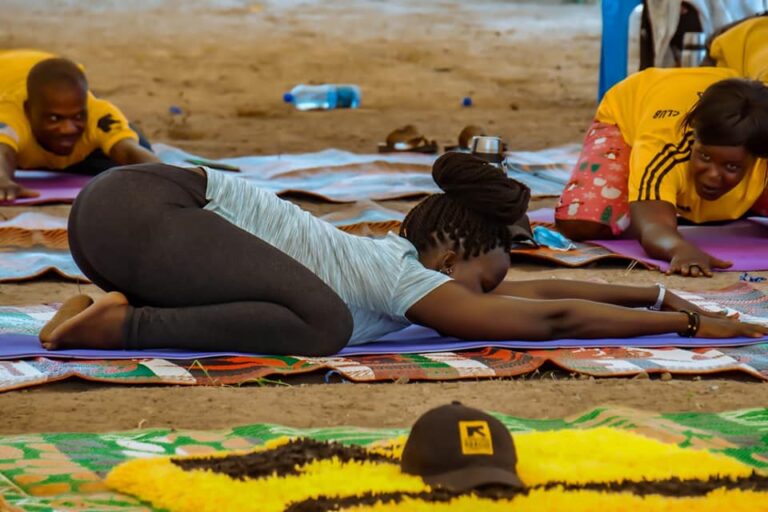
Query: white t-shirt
379, 279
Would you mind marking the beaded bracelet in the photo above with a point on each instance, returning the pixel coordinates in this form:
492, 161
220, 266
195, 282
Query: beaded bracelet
693, 324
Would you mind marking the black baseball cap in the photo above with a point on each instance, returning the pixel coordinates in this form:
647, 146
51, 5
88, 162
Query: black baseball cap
460, 448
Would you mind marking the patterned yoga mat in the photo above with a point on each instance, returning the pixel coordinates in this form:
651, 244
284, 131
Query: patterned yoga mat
26, 264
65, 472
482, 363
333, 175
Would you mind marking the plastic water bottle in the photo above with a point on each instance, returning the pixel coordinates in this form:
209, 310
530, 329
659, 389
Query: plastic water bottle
323, 97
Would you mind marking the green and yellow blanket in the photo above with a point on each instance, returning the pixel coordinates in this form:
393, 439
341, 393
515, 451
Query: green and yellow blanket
613, 458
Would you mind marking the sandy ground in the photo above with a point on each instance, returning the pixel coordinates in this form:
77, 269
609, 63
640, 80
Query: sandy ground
531, 69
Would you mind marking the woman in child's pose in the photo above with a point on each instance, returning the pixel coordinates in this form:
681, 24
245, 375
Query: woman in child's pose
665, 143
198, 259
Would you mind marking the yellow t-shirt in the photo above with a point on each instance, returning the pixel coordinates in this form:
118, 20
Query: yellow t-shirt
648, 107
106, 125
744, 48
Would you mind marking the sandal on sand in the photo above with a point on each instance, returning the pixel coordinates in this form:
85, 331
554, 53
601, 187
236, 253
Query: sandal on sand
407, 140
465, 137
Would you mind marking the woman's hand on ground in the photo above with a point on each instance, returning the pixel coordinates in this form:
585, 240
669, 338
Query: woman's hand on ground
692, 262
674, 302
727, 328
10, 191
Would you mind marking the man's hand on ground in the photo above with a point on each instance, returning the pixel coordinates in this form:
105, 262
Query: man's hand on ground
10, 191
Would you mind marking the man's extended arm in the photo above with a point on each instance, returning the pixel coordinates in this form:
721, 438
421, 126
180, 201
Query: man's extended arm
128, 151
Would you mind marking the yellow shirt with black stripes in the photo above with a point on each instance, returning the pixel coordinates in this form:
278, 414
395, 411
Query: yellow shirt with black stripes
649, 107
744, 48
106, 125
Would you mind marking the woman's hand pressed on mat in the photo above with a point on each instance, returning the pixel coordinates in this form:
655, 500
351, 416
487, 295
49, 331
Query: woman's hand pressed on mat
655, 225
298, 285
694, 262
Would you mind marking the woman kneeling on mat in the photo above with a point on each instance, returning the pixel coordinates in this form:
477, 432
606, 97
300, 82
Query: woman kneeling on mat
689, 142
201, 260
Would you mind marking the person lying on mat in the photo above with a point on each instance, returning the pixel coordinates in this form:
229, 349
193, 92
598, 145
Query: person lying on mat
669, 143
197, 259
50, 120
742, 46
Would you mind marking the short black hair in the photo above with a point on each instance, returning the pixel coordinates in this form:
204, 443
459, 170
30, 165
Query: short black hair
732, 112
479, 204
54, 71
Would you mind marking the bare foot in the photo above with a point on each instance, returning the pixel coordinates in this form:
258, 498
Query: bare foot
70, 308
97, 325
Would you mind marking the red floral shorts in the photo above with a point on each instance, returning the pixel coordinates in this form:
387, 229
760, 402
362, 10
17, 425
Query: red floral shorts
597, 191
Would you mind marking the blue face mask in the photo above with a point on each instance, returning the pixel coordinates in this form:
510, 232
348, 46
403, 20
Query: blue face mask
552, 239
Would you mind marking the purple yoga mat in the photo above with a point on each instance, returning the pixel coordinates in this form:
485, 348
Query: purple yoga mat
744, 243
54, 187
412, 340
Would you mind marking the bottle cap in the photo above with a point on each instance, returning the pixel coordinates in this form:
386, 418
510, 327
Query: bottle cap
467, 101
288, 97
347, 97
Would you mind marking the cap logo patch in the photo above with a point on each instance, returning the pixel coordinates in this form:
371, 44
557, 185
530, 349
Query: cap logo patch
475, 438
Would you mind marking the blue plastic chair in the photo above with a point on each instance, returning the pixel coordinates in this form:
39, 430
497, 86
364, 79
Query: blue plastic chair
614, 46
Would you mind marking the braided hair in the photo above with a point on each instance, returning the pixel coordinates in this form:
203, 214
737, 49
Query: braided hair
478, 204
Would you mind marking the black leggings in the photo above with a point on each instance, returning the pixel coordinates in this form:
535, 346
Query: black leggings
194, 280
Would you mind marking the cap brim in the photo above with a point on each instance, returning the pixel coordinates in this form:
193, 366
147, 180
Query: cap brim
469, 478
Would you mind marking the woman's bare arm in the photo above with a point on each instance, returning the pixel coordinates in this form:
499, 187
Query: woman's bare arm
456, 311
553, 289
655, 223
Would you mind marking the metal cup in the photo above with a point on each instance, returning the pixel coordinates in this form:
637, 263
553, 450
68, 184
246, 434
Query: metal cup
488, 148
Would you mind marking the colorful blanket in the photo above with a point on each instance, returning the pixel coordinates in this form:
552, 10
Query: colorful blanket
488, 363
580, 469
26, 264
57, 471
447, 364
34, 228
334, 175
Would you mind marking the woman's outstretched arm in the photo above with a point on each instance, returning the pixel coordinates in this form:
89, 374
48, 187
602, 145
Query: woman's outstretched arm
553, 289
456, 311
616, 294
655, 223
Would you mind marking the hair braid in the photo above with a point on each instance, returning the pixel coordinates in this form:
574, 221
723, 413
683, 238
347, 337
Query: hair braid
474, 213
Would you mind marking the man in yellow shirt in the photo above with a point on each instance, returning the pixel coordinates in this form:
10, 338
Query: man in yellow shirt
665, 143
50, 120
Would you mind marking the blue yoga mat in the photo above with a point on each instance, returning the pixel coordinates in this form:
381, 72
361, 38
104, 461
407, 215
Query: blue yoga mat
412, 340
